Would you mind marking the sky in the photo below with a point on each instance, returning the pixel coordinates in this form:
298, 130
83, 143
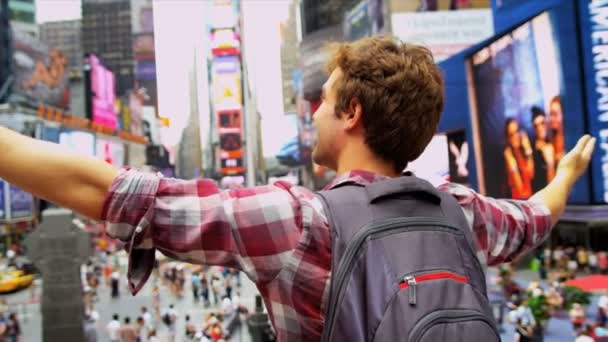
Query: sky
175, 59
54, 10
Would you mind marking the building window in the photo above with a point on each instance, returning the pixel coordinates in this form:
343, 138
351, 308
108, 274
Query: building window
23, 16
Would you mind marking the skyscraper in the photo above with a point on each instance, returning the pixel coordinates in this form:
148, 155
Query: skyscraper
23, 16
107, 32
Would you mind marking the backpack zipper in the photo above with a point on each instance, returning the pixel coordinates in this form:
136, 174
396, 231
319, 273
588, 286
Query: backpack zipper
394, 225
410, 282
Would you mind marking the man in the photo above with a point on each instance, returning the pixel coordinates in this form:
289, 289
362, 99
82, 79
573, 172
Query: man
380, 108
128, 332
147, 318
113, 329
170, 320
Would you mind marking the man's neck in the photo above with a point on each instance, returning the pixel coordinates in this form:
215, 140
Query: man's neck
377, 168
358, 156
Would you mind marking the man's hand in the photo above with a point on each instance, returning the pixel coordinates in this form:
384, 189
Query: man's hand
574, 164
569, 170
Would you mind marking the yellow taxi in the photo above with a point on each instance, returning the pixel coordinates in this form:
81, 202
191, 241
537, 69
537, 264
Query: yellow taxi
14, 279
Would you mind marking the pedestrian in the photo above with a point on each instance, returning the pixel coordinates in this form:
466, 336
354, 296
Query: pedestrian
196, 285
147, 317
156, 302
602, 262
190, 328
128, 332
205, 290
577, 317
115, 283
139, 329
90, 330
582, 257
593, 262
170, 320
13, 330
380, 108
152, 336
113, 329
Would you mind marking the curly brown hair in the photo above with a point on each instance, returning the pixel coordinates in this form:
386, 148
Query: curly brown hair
400, 89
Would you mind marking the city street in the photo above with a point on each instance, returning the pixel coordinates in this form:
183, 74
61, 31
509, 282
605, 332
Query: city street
130, 306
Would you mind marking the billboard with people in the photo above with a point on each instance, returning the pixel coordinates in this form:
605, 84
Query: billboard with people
517, 89
40, 73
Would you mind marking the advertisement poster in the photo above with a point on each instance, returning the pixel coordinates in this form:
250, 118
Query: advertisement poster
144, 51
364, 20
445, 33
21, 203
226, 65
103, 91
146, 70
458, 151
2, 201
227, 91
516, 103
40, 73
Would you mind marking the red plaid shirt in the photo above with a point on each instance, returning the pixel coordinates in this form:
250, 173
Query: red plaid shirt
279, 235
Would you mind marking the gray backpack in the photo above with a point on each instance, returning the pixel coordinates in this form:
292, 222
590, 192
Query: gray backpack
404, 266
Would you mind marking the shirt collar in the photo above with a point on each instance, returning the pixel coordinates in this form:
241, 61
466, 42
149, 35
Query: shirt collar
359, 177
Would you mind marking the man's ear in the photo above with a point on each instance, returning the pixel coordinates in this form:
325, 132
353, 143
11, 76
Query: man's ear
352, 115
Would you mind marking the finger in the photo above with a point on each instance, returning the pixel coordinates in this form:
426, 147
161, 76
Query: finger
588, 150
580, 145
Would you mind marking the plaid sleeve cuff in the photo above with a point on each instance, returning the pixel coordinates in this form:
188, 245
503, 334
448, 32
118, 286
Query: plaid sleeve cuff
128, 212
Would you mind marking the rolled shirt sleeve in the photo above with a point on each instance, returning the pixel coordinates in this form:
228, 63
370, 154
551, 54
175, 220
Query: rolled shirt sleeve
128, 212
504, 229
251, 229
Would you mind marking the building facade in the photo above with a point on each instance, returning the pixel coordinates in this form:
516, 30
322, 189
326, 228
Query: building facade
23, 15
107, 32
65, 36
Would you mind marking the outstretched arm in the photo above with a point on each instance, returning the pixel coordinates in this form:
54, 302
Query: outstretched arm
49, 172
505, 229
570, 168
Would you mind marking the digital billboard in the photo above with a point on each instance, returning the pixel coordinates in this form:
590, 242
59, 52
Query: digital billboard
102, 85
21, 203
364, 20
225, 42
40, 74
227, 91
522, 116
226, 65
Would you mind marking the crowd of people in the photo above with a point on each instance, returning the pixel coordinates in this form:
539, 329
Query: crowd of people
214, 289
563, 263
530, 307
